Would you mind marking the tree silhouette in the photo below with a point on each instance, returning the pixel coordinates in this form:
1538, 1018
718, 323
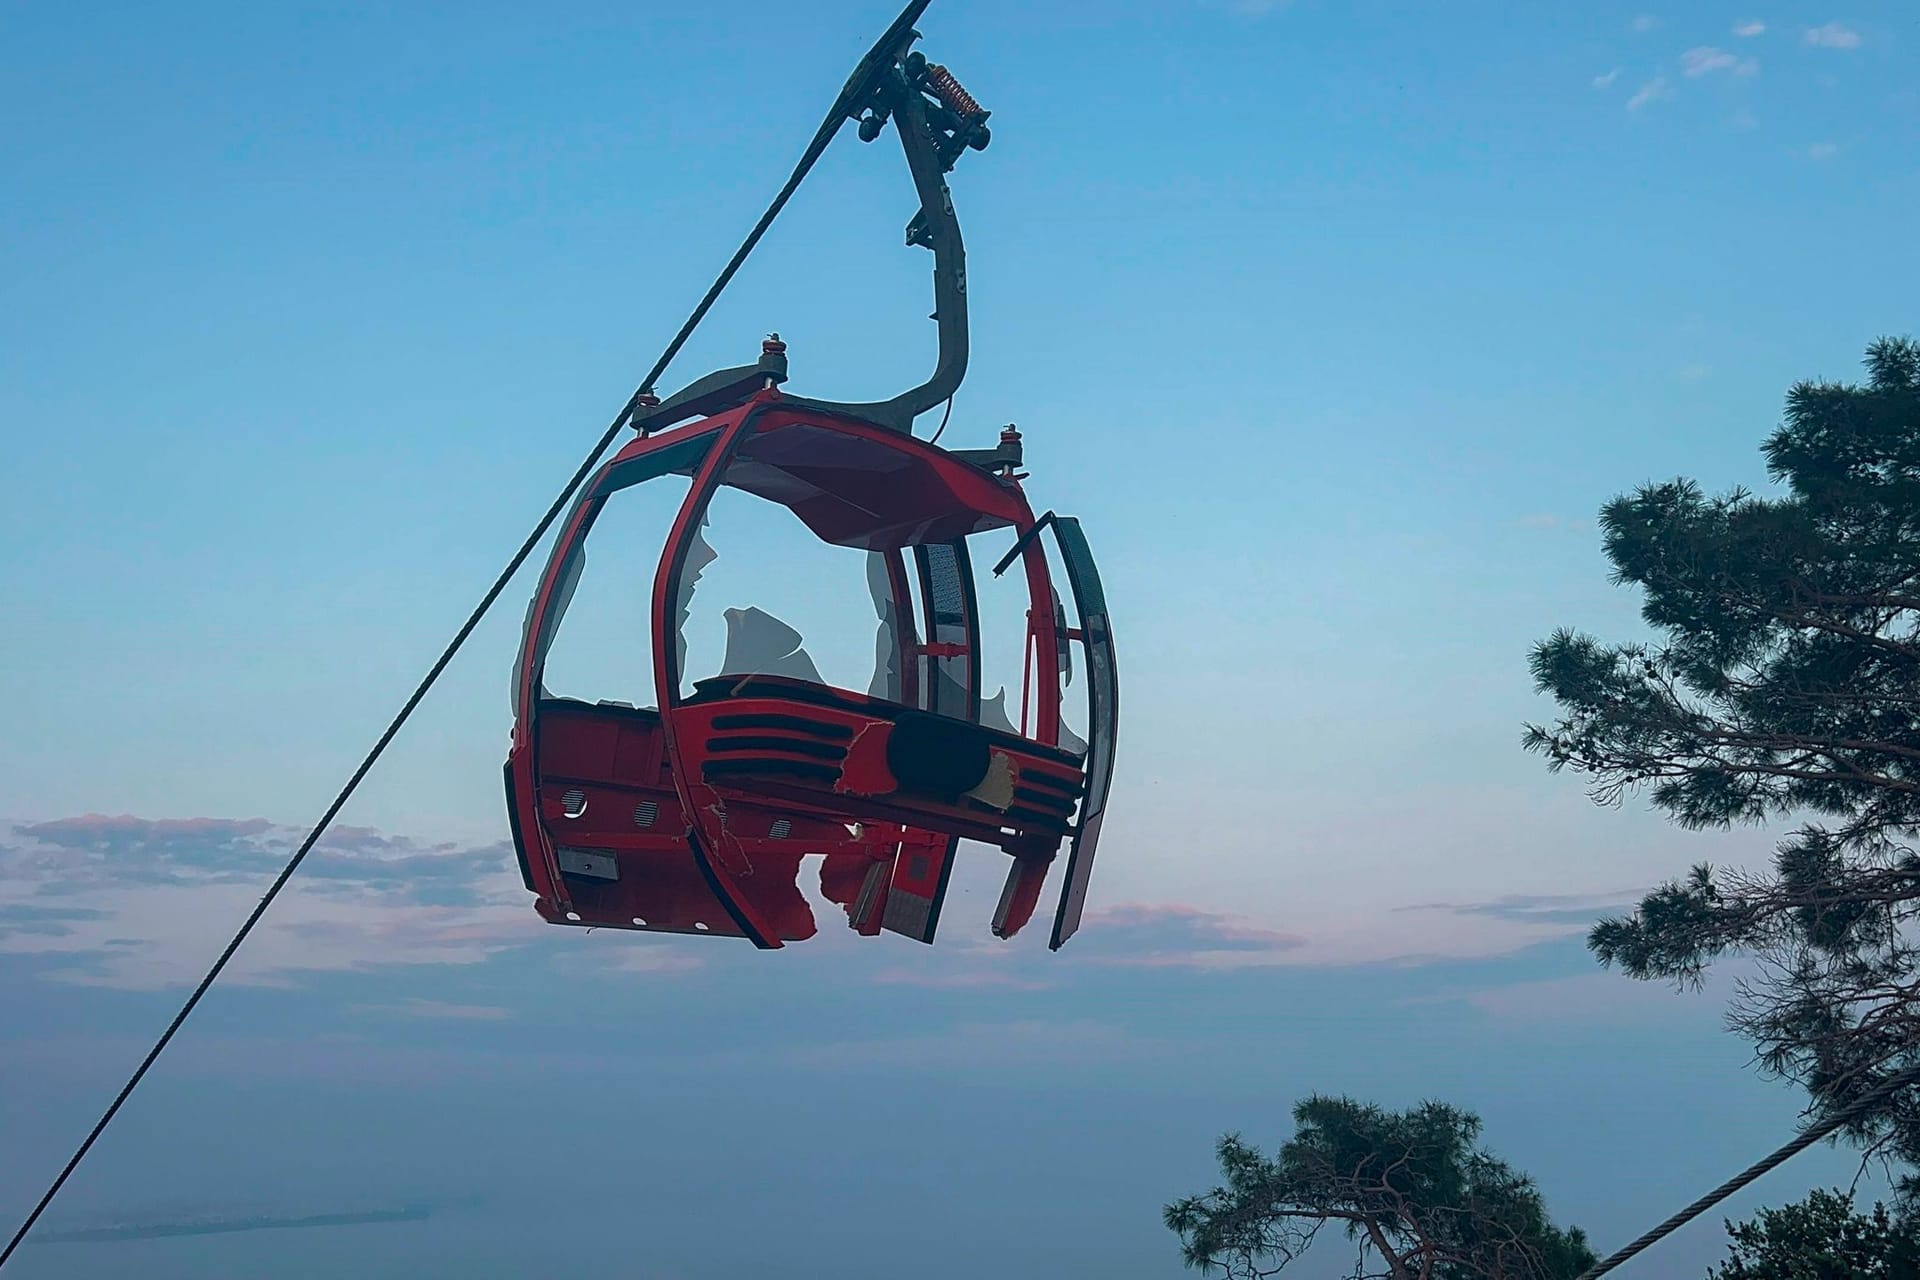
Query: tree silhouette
1821, 1238
1785, 682
1411, 1189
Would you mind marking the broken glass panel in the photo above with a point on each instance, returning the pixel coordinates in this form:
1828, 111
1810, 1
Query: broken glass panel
993, 712
699, 556
603, 650
760, 644
888, 681
761, 594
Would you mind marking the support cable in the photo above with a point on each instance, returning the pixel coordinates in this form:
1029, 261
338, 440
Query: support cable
1811, 1135
854, 89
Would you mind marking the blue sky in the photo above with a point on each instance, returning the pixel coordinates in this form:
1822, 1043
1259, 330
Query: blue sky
1334, 323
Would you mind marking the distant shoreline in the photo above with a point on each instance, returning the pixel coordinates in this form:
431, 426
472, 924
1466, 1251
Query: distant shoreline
159, 1230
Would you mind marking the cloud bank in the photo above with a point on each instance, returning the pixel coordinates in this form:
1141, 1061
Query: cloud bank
145, 904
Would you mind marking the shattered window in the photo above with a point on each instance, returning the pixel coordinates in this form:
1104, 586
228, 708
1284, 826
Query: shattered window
889, 663
1074, 727
761, 594
602, 651
1012, 674
1002, 603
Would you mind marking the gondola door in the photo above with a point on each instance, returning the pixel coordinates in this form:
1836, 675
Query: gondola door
1095, 635
946, 671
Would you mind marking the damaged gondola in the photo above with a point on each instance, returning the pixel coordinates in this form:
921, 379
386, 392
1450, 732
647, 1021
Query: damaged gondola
693, 816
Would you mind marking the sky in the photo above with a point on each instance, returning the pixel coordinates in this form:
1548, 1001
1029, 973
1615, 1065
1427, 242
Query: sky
1335, 324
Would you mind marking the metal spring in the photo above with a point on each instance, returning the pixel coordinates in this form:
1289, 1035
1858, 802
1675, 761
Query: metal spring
950, 92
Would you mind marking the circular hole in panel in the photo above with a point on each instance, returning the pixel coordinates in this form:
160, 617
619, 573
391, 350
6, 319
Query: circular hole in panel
701, 925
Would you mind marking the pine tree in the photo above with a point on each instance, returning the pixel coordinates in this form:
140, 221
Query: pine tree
1784, 683
1821, 1238
1411, 1189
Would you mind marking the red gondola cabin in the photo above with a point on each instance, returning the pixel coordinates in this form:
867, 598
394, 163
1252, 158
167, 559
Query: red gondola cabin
693, 816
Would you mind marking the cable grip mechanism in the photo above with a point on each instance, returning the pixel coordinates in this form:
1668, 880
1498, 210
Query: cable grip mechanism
955, 119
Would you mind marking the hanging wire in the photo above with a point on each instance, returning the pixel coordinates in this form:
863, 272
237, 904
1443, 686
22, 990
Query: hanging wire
1806, 1139
935, 438
860, 83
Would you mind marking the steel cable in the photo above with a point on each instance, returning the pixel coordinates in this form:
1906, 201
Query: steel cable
880, 55
1806, 1139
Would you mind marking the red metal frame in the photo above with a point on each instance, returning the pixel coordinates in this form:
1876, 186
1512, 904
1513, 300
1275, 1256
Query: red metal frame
694, 818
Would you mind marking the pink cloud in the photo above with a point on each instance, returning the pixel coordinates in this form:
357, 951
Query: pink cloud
355, 838
92, 828
136, 903
1178, 936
